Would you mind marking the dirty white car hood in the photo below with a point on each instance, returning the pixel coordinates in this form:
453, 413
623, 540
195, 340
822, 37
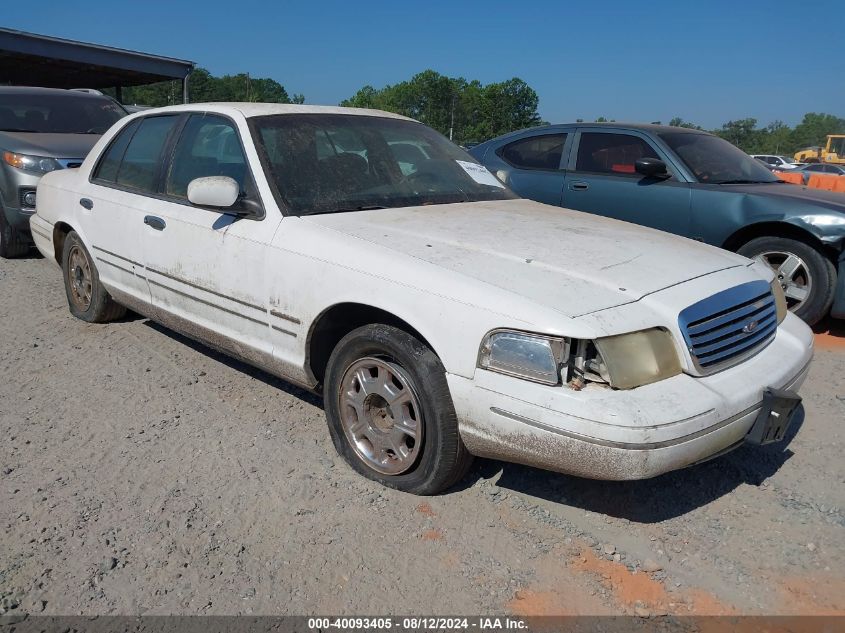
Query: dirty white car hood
573, 262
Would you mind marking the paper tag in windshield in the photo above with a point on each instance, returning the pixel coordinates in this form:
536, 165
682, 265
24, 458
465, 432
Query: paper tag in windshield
480, 174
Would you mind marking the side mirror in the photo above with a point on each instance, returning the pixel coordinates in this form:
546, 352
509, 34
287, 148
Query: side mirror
213, 191
651, 167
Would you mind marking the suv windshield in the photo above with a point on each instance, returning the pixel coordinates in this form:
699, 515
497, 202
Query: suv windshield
326, 163
57, 113
715, 161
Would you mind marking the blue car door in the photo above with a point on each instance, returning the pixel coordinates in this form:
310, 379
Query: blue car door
532, 165
601, 179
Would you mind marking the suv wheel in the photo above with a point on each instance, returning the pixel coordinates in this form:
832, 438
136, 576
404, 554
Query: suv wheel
86, 297
390, 413
807, 277
12, 242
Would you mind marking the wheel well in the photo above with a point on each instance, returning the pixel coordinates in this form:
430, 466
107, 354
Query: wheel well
338, 321
60, 232
776, 229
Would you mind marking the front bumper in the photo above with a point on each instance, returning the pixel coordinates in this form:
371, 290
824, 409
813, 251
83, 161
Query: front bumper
600, 433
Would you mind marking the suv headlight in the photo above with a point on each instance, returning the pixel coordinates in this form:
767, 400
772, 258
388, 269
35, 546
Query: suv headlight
780, 300
36, 164
638, 358
531, 356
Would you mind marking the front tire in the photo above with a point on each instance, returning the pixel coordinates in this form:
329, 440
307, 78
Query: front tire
87, 298
389, 411
808, 277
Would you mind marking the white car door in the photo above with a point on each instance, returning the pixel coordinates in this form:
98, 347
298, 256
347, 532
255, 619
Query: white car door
206, 267
111, 211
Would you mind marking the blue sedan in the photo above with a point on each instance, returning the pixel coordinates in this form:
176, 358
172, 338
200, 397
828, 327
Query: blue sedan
690, 183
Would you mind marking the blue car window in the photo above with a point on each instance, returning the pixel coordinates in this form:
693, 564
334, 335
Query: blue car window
607, 153
535, 152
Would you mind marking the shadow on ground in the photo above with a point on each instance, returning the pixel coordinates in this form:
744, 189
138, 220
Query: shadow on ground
831, 327
240, 366
650, 500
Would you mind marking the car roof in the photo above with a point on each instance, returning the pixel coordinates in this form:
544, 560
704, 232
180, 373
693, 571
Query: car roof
250, 110
652, 128
36, 91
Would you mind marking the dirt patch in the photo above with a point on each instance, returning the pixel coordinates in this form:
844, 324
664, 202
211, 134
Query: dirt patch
813, 595
637, 591
425, 509
433, 535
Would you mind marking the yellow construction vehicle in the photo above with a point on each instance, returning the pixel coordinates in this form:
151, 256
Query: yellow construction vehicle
833, 152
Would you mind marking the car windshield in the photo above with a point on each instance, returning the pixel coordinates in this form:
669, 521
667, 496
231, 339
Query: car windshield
788, 160
327, 163
57, 113
715, 161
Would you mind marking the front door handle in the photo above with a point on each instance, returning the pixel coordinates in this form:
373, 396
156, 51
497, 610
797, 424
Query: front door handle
86, 203
579, 186
157, 223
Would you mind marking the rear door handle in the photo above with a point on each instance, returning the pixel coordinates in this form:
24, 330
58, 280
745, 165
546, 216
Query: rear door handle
157, 223
579, 186
86, 203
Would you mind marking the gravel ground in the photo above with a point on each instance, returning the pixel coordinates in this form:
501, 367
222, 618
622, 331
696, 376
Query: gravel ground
142, 473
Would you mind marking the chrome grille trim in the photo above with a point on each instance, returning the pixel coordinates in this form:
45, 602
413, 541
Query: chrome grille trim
730, 326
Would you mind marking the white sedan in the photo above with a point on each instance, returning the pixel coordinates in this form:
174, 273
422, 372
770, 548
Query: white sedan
362, 255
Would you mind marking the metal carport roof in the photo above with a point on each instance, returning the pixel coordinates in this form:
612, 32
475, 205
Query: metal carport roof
29, 59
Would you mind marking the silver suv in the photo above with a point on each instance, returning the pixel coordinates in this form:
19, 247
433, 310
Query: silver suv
41, 130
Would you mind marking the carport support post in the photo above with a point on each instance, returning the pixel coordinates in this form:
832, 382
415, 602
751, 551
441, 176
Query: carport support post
185, 88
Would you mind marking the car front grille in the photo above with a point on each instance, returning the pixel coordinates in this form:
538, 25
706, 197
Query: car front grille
730, 326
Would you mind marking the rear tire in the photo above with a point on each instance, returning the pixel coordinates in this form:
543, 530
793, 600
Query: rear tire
87, 298
13, 243
815, 274
389, 411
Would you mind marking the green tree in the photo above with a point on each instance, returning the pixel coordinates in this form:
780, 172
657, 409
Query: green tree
742, 133
679, 122
203, 87
474, 112
813, 129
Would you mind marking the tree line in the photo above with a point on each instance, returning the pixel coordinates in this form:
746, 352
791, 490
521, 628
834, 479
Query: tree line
203, 87
469, 111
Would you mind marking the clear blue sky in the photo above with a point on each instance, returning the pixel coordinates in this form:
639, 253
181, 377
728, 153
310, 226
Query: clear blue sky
707, 61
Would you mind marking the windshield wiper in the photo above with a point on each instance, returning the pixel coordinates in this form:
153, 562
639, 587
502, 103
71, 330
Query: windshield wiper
372, 207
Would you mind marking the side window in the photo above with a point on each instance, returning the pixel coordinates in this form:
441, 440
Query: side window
606, 153
142, 158
208, 146
535, 152
110, 162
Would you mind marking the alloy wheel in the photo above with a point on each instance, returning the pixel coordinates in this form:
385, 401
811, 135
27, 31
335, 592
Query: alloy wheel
792, 273
381, 415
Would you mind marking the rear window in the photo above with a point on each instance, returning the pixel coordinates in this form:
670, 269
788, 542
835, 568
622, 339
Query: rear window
535, 152
58, 113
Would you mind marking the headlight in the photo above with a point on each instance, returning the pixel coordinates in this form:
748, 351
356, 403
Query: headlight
530, 356
37, 164
639, 358
780, 300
